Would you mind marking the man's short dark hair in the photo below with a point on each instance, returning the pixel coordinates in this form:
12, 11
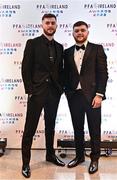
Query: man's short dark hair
80, 23
48, 16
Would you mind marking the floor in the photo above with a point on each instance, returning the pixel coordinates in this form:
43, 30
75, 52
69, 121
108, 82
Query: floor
10, 167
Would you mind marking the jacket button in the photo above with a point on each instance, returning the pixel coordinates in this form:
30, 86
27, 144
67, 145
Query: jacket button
47, 80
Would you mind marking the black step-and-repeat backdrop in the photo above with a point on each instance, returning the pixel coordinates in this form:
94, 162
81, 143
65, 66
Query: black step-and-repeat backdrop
21, 20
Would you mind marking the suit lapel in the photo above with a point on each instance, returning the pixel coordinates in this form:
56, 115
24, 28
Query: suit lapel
57, 53
71, 57
87, 52
86, 55
45, 54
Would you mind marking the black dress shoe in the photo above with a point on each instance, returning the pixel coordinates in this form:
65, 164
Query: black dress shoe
93, 167
26, 171
55, 160
75, 162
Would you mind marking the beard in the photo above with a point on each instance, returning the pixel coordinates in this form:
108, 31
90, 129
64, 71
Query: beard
80, 41
49, 33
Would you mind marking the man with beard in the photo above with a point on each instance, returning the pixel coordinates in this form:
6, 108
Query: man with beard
85, 85
42, 69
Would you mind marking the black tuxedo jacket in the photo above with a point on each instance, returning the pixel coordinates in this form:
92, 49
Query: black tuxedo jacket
37, 71
93, 75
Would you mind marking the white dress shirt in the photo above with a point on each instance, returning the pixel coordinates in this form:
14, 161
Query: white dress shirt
78, 57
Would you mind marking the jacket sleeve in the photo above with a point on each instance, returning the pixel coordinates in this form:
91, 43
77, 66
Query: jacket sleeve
27, 66
102, 71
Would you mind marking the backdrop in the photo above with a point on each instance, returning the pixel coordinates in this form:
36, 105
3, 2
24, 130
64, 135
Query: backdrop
21, 20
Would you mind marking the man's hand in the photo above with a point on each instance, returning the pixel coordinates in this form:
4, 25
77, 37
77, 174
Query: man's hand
96, 103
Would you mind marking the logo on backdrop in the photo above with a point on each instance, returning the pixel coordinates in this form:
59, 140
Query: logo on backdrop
27, 29
110, 80
22, 100
65, 44
66, 134
106, 45
9, 84
109, 98
8, 10
56, 9
66, 28
8, 48
98, 9
112, 66
106, 116
69, 134
112, 28
9, 118
110, 134
17, 64
37, 135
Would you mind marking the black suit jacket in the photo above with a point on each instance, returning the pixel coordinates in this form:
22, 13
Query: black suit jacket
93, 75
37, 71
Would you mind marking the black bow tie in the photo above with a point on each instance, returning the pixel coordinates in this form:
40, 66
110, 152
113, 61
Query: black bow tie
80, 47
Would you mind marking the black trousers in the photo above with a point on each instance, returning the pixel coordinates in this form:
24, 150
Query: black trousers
49, 100
79, 106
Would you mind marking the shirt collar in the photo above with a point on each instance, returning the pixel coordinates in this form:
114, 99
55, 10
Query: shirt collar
85, 43
46, 40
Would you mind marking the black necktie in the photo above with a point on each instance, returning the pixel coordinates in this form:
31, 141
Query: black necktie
80, 47
51, 52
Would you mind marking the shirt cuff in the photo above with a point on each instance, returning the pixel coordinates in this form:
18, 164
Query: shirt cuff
99, 94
